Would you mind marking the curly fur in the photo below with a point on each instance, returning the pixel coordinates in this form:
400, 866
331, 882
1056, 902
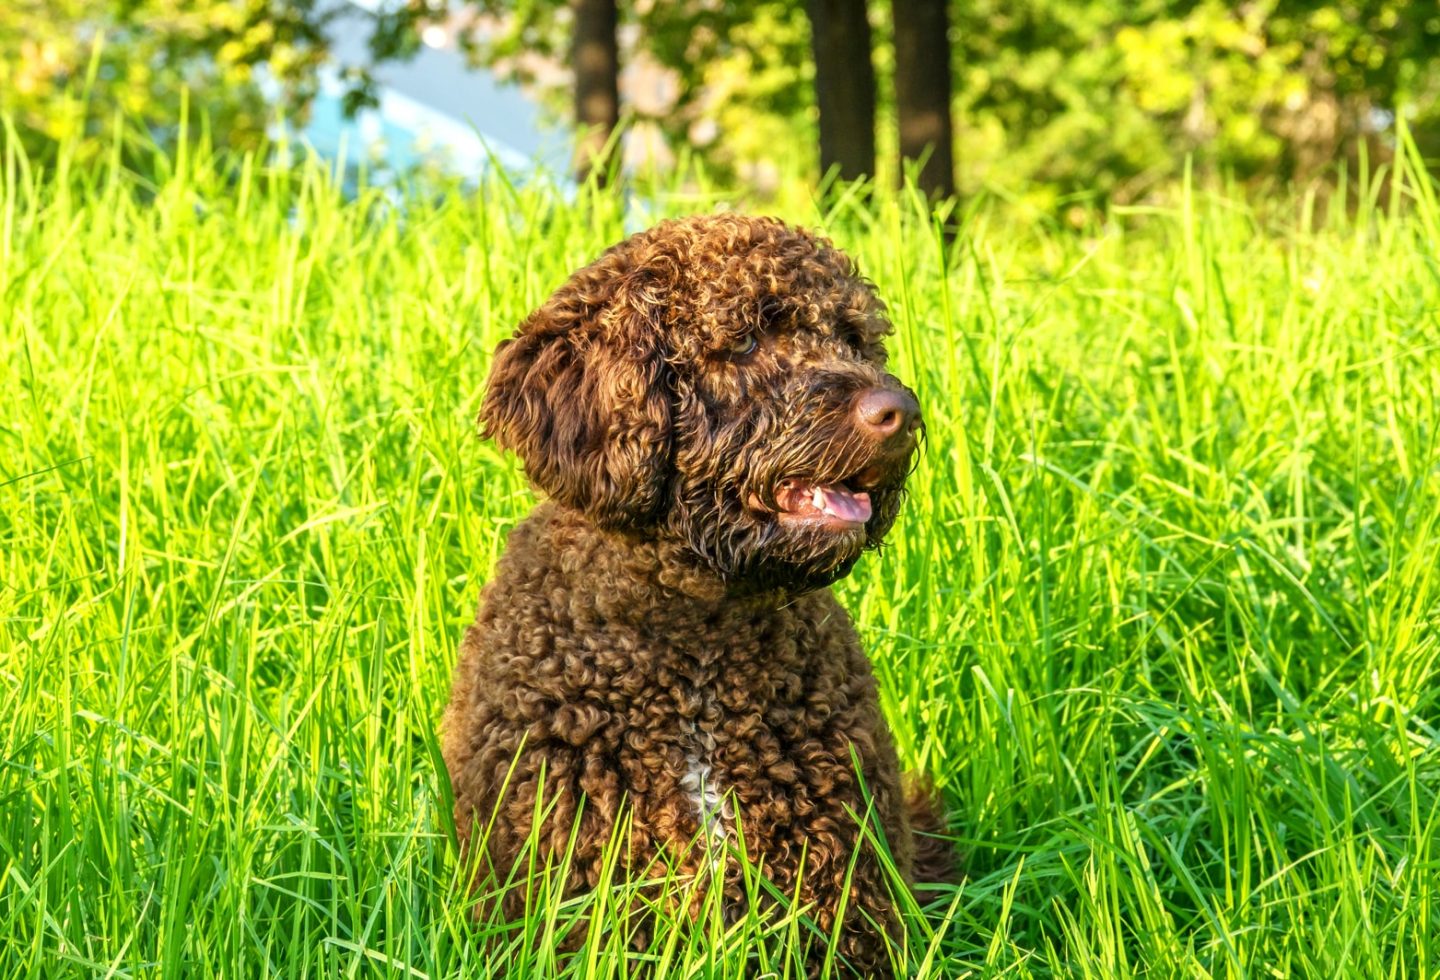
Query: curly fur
656, 636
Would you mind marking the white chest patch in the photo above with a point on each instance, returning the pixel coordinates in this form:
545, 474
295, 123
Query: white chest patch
705, 794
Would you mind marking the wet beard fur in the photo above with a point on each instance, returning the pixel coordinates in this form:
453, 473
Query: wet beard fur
802, 433
755, 554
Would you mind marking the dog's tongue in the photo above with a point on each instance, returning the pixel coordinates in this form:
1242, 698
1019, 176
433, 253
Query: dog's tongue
833, 500
800, 498
842, 504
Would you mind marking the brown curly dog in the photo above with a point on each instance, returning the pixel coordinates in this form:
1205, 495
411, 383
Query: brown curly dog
708, 410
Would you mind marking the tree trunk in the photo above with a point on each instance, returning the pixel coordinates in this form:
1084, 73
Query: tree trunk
595, 58
922, 92
844, 86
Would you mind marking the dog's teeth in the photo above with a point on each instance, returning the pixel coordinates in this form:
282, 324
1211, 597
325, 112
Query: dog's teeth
817, 498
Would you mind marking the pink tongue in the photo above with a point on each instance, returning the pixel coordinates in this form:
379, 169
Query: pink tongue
846, 506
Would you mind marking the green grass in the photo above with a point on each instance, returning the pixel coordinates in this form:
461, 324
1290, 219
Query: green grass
1160, 618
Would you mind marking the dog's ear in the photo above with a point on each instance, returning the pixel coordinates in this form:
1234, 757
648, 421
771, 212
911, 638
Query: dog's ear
581, 395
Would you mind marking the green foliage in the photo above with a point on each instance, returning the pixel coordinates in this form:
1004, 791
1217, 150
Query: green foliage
746, 96
1160, 617
1102, 99
68, 67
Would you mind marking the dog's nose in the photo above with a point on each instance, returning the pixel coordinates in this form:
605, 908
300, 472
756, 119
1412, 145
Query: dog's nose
884, 413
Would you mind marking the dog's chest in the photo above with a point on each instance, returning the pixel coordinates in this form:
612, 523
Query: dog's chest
673, 700
735, 711
708, 724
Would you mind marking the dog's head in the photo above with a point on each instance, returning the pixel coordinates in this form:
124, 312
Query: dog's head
720, 381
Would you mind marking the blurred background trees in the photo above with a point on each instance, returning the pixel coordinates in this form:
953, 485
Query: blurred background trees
844, 86
1049, 101
68, 66
595, 61
923, 91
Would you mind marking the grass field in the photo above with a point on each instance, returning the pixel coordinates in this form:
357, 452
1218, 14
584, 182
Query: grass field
1160, 618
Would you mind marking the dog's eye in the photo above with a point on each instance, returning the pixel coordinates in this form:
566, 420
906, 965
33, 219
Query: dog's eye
741, 346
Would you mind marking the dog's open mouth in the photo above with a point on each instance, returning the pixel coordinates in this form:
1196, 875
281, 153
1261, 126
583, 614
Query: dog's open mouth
834, 504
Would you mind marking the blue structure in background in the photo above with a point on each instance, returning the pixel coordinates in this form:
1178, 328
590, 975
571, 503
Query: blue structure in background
433, 109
